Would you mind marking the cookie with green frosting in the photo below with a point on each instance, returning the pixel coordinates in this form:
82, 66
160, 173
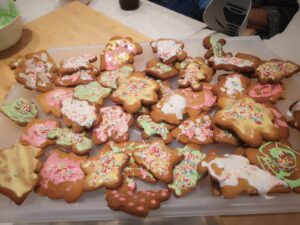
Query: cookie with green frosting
159, 70
79, 143
21, 111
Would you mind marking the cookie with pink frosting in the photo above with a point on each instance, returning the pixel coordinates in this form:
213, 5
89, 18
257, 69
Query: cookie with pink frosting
114, 58
294, 111
77, 63
114, 125
36, 133
126, 43
61, 176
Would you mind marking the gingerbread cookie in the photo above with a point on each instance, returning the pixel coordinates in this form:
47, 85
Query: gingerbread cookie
185, 173
181, 65
214, 46
136, 91
77, 63
164, 88
51, 101
280, 160
112, 59
234, 175
76, 78
109, 78
198, 130
266, 92
133, 202
168, 50
18, 171
125, 43
79, 143
241, 63
36, 133
225, 136
231, 85
61, 176
294, 111
275, 70
93, 92
104, 169
252, 122
114, 125
159, 70
79, 114
150, 128
158, 159
36, 71
21, 111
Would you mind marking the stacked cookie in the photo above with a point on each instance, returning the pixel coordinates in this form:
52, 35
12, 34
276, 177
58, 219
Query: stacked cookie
238, 110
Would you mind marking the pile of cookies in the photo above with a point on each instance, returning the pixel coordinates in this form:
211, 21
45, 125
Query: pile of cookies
238, 110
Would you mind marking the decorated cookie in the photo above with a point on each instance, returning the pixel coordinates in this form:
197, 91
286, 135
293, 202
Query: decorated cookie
76, 78
93, 92
114, 58
294, 112
185, 173
181, 65
109, 78
114, 125
280, 160
164, 88
158, 159
21, 111
36, 133
125, 42
104, 169
241, 63
275, 70
61, 176
142, 111
159, 70
51, 101
137, 203
19, 166
77, 63
36, 71
150, 128
168, 50
79, 114
231, 85
266, 92
214, 46
252, 122
234, 175
225, 136
198, 130
136, 91
79, 143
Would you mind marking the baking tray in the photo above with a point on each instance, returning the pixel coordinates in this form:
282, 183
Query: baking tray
201, 202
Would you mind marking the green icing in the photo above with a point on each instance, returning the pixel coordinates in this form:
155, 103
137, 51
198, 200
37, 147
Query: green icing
152, 128
216, 47
8, 13
185, 174
21, 110
91, 92
282, 161
161, 68
66, 137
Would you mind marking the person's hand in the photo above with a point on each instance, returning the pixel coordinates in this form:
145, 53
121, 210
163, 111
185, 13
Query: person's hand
258, 19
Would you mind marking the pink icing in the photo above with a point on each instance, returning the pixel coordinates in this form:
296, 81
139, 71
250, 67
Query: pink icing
115, 58
209, 100
36, 135
265, 90
278, 122
58, 170
54, 98
140, 208
124, 43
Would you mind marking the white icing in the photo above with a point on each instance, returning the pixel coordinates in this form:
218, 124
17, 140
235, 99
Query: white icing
167, 49
235, 167
30, 79
233, 85
78, 61
174, 105
231, 60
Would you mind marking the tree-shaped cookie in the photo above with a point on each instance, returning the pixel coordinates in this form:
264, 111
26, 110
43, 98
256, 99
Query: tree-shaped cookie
198, 130
158, 159
104, 169
61, 176
252, 122
185, 173
93, 92
76, 63
79, 143
159, 70
51, 101
136, 91
18, 171
275, 70
114, 125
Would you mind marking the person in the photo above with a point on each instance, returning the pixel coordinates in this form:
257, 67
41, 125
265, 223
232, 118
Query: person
267, 17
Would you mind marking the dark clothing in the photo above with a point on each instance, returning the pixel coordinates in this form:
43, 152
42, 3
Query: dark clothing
280, 12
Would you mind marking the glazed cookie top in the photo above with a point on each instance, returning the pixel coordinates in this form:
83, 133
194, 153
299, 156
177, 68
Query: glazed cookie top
76, 63
21, 110
115, 58
152, 128
55, 97
123, 42
167, 48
